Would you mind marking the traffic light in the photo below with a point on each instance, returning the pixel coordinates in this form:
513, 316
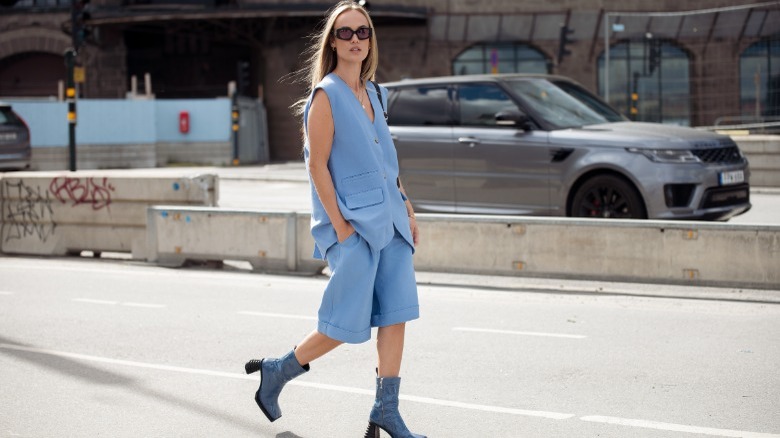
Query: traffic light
563, 42
242, 77
79, 16
654, 56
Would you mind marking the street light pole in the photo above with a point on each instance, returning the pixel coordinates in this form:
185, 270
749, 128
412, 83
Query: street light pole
70, 94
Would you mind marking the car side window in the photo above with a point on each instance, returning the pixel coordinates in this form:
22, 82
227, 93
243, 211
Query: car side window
421, 106
479, 104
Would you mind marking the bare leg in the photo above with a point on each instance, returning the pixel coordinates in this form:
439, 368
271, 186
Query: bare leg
314, 346
390, 349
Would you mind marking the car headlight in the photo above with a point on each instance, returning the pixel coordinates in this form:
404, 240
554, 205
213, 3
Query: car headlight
667, 155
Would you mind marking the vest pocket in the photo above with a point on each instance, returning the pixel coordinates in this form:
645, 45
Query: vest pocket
360, 180
364, 199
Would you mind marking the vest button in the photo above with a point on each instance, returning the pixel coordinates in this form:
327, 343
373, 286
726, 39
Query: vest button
376, 140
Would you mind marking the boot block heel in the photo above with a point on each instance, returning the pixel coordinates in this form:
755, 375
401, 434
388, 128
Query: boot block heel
253, 366
372, 431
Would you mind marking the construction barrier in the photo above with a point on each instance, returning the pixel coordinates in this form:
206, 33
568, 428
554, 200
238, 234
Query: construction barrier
269, 241
693, 253
696, 253
60, 213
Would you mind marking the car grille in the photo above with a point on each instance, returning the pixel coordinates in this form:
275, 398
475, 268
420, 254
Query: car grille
719, 155
724, 196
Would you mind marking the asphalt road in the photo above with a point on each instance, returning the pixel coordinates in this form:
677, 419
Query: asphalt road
96, 347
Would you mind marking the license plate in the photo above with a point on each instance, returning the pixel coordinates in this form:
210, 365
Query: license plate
7, 136
733, 177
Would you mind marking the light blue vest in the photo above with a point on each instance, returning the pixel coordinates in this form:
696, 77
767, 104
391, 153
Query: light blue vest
364, 166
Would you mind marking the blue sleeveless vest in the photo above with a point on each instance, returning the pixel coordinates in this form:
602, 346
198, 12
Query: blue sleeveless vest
364, 166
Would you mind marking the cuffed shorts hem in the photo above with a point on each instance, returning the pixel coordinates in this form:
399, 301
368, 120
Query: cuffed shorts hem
396, 317
342, 335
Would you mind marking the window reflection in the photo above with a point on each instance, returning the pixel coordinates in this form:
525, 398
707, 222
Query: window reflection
661, 84
556, 107
479, 104
421, 106
507, 58
759, 87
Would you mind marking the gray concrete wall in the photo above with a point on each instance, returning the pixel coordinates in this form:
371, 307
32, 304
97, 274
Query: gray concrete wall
763, 153
697, 253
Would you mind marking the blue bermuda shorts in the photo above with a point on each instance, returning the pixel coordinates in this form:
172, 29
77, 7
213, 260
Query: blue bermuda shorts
367, 289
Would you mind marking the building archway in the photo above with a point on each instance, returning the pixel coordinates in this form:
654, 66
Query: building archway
649, 81
500, 58
32, 62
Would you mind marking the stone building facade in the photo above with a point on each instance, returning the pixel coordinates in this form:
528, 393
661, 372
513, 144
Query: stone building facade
191, 48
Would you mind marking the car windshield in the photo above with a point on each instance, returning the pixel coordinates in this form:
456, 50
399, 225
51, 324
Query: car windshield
555, 106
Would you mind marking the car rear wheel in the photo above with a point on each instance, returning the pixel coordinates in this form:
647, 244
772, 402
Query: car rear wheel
608, 196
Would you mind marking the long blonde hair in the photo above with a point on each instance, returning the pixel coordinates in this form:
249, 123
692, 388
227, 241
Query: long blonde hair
322, 59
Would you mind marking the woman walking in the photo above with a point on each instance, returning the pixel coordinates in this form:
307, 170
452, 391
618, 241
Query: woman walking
362, 222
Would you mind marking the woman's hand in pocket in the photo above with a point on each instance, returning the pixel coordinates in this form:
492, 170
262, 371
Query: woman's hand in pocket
343, 233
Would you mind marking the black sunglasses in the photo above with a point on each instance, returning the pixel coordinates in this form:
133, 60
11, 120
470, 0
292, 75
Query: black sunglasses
345, 33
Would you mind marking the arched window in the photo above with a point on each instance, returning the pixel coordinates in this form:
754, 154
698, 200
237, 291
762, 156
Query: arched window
500, 58
759, 80
649, 81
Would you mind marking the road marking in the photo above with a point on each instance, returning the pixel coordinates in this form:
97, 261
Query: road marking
513, 332
150, 306
677, 427
426, 400
91, 301
117, 303
279, 315
255, 378
5, 293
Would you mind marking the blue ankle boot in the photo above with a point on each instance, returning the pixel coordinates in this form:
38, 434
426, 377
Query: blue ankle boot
385, 413
274, 374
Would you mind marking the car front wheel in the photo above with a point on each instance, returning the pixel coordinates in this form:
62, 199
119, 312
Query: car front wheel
607, 196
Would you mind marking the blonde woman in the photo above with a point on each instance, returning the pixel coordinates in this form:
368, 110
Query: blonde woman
362, 221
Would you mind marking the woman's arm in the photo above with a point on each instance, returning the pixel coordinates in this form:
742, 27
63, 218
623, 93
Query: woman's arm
320, 133
410, 213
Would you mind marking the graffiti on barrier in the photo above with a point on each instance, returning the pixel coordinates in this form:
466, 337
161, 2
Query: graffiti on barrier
29, 214
93, 191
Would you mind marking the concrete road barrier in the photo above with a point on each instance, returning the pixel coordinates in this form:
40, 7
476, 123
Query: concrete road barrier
59, 213
269, 241
696, 253
700, 253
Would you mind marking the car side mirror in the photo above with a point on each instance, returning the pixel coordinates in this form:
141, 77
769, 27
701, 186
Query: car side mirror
513, 118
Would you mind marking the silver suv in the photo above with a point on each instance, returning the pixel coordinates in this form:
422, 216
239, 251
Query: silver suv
15, 152
544, 145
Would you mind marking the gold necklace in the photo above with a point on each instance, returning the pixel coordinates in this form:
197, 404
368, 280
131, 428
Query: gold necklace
359, 95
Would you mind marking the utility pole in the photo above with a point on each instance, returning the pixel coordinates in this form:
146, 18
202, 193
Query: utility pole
79, 14
70, 97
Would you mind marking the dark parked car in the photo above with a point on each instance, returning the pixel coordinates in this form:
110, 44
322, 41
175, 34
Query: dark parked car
15, 152
544, 145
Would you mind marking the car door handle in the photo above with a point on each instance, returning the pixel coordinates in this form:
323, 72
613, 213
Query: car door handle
471, 141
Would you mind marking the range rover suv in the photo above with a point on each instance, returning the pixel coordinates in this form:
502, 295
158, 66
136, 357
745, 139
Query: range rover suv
543, 145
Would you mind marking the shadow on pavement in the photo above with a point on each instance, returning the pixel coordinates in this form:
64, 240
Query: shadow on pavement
77, 368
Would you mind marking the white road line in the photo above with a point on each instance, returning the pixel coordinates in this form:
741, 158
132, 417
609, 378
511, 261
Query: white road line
91, 301
150, 306
677, 427
279, 315
117, 303
513, 332
432, 401
5, 293
345, 389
